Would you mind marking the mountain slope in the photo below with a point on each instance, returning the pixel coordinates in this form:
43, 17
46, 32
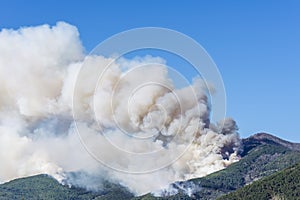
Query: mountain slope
45, 187
262, 155
281, 185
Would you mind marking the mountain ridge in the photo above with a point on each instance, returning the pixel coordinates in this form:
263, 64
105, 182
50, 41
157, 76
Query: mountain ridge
263, 138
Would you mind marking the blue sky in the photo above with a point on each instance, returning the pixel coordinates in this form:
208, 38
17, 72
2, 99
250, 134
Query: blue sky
255, 44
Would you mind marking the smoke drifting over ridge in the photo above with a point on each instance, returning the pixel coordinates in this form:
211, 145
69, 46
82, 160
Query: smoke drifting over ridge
136, 127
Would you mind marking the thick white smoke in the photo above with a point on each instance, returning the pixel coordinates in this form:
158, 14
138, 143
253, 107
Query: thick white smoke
39, 68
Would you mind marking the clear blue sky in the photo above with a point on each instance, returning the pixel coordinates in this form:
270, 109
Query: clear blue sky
255, 44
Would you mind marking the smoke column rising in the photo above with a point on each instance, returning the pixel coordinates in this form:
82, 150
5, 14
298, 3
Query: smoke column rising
39, 69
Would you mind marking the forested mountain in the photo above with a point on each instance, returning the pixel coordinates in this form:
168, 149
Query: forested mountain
281, 185
262, 157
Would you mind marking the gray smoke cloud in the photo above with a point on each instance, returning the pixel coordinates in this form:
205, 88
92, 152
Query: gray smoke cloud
188, 188
39, 69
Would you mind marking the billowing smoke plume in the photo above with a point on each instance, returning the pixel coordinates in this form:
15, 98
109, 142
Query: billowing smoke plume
133, 120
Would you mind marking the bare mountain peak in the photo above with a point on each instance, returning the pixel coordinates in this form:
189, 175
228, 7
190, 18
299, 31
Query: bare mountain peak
266, 138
